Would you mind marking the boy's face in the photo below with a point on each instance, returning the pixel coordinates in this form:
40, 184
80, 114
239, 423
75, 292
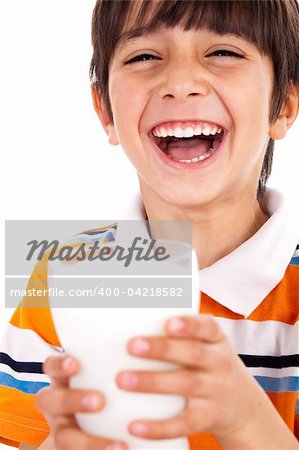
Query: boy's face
190, 79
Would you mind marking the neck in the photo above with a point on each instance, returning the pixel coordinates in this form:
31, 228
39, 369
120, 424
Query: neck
217, 229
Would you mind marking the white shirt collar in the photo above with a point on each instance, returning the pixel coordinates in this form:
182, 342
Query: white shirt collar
241, 280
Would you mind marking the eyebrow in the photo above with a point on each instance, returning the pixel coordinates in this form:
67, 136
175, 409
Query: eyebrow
128, 36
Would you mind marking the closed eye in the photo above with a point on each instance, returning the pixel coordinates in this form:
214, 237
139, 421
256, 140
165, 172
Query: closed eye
142, 57
226, 53
149, 57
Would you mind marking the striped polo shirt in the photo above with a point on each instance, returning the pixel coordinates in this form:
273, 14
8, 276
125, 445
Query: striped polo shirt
253, 293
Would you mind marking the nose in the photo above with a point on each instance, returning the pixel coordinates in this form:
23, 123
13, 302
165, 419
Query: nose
183, 80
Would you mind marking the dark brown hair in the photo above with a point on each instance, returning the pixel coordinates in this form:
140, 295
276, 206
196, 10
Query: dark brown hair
271, 25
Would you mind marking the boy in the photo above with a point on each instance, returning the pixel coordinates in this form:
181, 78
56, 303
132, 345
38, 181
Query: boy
225, 72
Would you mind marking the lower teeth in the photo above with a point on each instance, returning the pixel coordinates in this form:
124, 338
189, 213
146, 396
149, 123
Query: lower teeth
197, 158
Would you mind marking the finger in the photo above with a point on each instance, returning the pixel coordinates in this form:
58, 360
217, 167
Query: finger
186, 352
66, 438
202, 327
61, 421
187, 383
60, 369
63, 401
183, 424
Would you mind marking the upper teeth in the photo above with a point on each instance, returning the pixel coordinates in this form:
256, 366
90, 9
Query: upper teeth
189, 131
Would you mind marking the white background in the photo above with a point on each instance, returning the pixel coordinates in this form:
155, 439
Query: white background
58, 163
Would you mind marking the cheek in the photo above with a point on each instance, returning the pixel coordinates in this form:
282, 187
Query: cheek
128, 102
247, 99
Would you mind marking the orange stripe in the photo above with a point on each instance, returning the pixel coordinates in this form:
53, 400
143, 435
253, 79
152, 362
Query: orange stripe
285, 404
203, 441
9, 442
282, 303
37, 319
210, 306
31, 427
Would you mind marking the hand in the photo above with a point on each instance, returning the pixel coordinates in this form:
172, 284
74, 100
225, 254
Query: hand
59, 403
221, 396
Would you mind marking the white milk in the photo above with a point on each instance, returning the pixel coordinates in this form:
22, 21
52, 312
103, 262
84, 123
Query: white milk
97, 338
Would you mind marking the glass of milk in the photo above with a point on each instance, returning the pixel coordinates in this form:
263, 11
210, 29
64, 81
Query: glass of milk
97, 337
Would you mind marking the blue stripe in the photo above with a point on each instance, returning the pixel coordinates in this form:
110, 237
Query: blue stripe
295, 261
29, 387
284, 384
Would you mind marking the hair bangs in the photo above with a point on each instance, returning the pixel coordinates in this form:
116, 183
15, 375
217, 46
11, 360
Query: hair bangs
240, 18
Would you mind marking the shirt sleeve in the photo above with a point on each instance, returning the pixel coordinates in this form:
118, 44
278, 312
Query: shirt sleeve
29, 339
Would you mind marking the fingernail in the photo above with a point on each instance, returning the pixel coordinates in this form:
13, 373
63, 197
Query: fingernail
139, 428
128, 379
90, 401
115, 446
140, 346
176, 324
68, 364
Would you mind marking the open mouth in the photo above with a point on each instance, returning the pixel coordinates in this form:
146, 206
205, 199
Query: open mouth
189, 144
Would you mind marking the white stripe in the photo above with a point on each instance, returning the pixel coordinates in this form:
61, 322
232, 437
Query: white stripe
274, 373
296, 254
25, 376
26, 345
269, 337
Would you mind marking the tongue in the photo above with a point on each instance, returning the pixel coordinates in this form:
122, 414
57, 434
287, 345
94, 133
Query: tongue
188, 148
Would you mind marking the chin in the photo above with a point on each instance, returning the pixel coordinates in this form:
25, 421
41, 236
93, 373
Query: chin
190, 198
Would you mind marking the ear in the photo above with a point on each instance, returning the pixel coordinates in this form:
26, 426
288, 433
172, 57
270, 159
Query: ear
101, 111
287, 115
